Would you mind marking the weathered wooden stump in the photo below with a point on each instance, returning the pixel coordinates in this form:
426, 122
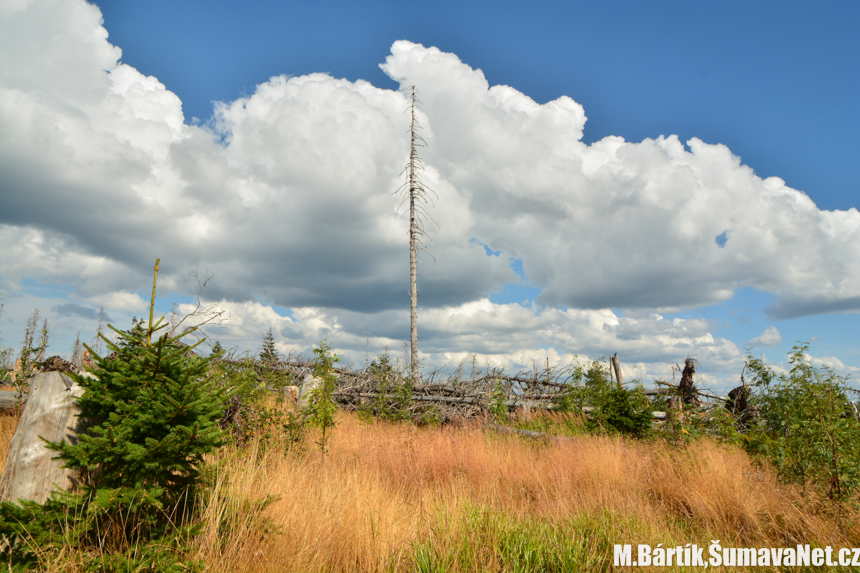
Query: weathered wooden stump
309, 384
51, 412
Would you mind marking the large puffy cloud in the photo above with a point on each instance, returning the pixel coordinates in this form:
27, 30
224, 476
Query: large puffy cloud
286, 195
625, 224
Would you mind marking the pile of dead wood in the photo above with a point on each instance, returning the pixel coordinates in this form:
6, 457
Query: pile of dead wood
454, 397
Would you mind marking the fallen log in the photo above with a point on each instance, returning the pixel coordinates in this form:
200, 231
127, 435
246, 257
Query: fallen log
10, 399
476, 401
699, 392
656, 392
418, 398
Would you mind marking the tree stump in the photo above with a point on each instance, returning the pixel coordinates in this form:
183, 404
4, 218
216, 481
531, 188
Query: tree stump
309, 384
689, 393
51, 413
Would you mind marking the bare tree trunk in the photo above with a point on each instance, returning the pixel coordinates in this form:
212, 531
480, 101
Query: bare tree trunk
417, 195
617, 367
413, 276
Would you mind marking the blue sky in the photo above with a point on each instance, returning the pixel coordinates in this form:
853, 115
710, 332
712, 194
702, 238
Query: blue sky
775, 83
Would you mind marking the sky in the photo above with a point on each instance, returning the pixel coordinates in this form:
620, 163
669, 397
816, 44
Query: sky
656, 180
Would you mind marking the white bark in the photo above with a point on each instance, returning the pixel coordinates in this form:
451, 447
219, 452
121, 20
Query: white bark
309, 384
52, 413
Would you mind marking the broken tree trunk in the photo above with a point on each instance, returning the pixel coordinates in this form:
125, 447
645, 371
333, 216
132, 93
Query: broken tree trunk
687, 387
738, 404
51, 413
617, 366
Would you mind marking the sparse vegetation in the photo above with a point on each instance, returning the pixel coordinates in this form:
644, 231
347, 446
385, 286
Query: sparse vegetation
30, 354
233, 483
393, 394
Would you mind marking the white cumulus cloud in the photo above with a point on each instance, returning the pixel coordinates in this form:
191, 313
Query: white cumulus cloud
767, 339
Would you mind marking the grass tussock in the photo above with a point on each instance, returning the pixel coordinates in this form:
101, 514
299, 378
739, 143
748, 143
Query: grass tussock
399, 498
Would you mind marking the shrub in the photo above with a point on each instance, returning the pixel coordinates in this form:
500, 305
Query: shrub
614, 409
806, 426
251, 386
392, 399
625, 411
498, 402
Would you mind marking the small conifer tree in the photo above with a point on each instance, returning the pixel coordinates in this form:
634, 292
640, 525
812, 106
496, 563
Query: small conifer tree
321, 406
392, 399
217, 350
153, 415
269, 354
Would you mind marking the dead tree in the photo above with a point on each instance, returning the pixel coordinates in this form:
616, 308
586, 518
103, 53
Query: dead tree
417, 194
617, 367
738, 403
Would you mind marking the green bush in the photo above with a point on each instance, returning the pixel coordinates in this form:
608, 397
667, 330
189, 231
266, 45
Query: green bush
806, 426
251, 385
626, 411
498, 402
614, 409
392, 399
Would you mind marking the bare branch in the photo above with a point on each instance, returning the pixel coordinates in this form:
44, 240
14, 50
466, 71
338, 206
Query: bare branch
204, 313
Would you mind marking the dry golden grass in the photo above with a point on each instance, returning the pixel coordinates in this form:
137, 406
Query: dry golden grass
387, 494
386, 489
8, 423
